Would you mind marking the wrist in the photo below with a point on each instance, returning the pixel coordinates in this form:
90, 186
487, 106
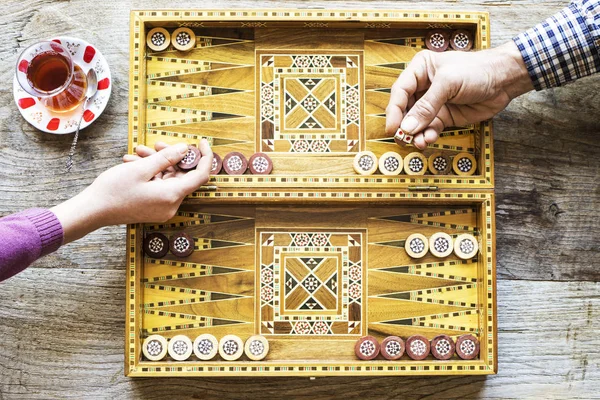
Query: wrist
78, 216
510, 70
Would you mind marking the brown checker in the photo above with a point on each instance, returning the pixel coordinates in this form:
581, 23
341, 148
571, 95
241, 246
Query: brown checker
182, 244
442, 347
417, 347
461, 40
158, 39
156, 245
464, 164
235, 163
191, 159
392, 348
366, 348
439, 163
437, 40
467, 347
415, 163
183, 39
260, 164
217, 164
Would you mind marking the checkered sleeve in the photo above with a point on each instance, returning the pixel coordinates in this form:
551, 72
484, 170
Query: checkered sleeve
564, 47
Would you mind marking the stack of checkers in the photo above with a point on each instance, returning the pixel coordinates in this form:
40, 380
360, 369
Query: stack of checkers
235, 163
440, 40
182, 39
441, 245
205, 347
415, 163
417, 347
157, 245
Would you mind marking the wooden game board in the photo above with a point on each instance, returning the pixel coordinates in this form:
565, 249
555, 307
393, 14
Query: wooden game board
258, 237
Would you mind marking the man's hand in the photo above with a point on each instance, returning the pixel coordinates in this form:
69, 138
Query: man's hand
454, 88
147, 187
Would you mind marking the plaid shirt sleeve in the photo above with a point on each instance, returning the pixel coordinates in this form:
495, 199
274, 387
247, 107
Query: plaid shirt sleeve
564, 47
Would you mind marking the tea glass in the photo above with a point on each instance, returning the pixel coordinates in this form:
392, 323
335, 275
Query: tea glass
66, 96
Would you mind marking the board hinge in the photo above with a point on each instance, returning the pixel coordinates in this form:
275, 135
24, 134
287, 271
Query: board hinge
423, 188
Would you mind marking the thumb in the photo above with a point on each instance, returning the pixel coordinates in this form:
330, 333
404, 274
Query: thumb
162, 160
426, 108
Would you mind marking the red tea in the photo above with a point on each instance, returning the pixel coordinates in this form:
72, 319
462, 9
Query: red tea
49, 71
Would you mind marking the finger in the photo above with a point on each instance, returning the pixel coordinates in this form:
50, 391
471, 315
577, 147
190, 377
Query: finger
158, 176
393, 117
402, 90
419, 141
429, 135
199, 176
432, 132
130, 158
414, 78
446, 116
144, 151
161, 160
411, 102
160, 145
426, 108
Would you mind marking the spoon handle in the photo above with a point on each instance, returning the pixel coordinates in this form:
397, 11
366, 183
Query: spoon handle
69, 163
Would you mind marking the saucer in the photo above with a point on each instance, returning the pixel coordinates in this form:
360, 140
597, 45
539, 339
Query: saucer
86, 56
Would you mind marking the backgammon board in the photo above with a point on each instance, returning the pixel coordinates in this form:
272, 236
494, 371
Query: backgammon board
311, 256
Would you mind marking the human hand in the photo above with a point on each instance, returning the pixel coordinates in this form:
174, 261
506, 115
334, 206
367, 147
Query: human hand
438, 90
147, 187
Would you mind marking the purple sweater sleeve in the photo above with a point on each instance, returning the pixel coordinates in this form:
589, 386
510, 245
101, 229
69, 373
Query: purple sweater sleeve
27, 236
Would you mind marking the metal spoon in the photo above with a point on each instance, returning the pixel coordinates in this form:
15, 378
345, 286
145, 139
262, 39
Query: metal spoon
92, 88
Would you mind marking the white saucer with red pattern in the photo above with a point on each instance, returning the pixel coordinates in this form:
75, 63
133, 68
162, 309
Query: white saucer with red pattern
86, 56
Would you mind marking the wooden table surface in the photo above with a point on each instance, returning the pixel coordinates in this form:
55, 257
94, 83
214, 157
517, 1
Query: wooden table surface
62, 320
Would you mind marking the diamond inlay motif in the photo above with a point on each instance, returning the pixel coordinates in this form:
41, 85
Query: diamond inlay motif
316, 283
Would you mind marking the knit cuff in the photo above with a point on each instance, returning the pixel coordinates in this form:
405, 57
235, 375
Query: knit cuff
48, 227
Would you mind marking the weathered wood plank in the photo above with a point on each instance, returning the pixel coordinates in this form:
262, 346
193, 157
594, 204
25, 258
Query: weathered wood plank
551, 353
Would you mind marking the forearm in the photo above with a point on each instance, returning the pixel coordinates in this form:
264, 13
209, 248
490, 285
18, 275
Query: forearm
78, 216
26, 236
563, 48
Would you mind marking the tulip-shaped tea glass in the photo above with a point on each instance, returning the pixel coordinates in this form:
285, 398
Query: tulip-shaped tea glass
47, 71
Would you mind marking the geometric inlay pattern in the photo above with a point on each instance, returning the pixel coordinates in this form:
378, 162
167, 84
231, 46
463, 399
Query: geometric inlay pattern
310, 103
311, 283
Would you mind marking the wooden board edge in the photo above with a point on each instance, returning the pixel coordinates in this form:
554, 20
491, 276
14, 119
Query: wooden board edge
246, 369
290, 14
492, 201
137, 69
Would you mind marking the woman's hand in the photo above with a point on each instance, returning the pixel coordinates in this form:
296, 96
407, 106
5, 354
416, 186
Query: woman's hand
438, 90
147, 187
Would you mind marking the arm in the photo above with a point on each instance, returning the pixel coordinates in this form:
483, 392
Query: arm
563, 48
438, 90
147, 187
26, 236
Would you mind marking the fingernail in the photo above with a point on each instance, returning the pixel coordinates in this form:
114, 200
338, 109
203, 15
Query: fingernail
409, 124
181, 147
